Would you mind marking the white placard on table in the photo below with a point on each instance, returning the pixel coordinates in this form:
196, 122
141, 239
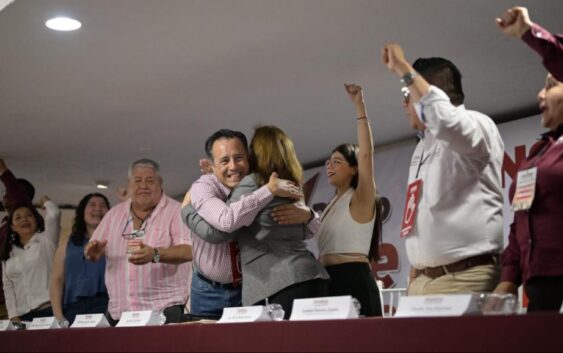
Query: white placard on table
245, 314
90, 320
42, 323
325, 308
139, 318
437, 305
6, 325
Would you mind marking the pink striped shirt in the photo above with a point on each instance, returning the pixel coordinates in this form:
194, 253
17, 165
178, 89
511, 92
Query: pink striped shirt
150, 286
208, 196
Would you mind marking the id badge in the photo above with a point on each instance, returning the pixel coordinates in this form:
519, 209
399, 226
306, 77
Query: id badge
411, 206
525, 189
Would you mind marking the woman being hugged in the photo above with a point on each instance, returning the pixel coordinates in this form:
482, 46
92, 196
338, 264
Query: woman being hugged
77, 285
27, 256
350, 230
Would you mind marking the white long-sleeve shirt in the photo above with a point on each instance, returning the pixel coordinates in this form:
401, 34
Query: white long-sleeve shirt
26, 274
459, 160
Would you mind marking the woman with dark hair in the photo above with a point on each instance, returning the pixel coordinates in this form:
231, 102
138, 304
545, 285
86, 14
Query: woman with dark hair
350, 228
26, 257
534, 255
77, 285
276, 265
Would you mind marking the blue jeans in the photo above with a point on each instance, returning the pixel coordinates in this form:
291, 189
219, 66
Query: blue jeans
209, 299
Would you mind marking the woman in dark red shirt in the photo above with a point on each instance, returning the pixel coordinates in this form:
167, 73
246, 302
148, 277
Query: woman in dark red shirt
534, 255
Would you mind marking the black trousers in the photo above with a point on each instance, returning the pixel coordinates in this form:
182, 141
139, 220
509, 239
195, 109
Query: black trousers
308, 289
173, 314
356, 279
545, 293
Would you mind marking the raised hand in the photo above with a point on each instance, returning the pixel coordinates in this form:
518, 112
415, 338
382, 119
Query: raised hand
393, 57
355, 92
514, 22
205, 166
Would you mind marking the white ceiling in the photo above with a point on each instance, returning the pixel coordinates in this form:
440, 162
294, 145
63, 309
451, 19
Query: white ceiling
155, 78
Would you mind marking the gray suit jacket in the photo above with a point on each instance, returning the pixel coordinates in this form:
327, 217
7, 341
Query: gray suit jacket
273, 256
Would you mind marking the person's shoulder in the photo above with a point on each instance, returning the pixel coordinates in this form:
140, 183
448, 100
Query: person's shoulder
206, 179
249, 181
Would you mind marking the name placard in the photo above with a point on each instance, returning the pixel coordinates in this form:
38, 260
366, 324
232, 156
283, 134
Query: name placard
245, 314
42, 323
325, 308
437, 305
90, 320
139, 318
6, 325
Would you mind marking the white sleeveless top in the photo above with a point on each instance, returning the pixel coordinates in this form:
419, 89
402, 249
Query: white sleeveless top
339, 233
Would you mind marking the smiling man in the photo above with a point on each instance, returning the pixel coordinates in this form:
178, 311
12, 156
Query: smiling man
147, 248
216, 282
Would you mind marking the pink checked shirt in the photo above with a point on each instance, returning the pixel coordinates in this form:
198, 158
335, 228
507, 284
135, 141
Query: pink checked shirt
208, 196
150, 286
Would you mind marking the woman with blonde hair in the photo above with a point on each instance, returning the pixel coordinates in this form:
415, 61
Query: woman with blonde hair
276, 265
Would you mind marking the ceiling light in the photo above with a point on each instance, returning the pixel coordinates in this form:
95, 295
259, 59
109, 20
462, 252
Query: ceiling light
102, 184
63, 24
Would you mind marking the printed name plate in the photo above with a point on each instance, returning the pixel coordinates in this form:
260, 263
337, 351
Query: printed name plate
139, 318
245, 314
325, 308
6, 325
90, 320
41, 323
437, 305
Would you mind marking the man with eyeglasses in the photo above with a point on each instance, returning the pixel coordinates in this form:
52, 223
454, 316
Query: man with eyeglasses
454, 239
147, 249
15, 192
216, 282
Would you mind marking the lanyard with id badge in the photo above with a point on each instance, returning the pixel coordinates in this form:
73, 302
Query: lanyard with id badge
411, 204
525, 189
526, 184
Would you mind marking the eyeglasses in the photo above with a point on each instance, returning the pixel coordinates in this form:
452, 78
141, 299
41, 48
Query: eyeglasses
406, 95
136, 233
335, 162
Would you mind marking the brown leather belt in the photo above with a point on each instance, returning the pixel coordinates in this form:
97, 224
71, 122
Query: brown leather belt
479, 260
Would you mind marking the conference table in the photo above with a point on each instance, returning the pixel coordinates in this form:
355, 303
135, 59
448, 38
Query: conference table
533, 332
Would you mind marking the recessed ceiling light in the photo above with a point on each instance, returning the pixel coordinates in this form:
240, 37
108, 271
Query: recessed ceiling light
63, 24
102, 184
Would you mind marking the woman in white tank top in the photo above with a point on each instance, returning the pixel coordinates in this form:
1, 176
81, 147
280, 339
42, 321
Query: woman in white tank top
351, 226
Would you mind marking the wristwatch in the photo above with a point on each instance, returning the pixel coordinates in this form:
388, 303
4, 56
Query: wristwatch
408, 78
156, 256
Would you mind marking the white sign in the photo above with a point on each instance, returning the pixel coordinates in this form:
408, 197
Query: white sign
245, 314
41, 323
437, 305
6, 325
90, 320
325, 308
139, 318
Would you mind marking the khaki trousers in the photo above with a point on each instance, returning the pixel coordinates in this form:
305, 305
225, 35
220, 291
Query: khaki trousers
473, 280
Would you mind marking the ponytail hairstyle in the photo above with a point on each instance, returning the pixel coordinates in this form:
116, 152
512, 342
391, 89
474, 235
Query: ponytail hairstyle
350, 153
